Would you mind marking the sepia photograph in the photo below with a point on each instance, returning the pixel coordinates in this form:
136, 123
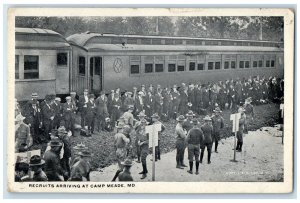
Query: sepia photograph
119, 102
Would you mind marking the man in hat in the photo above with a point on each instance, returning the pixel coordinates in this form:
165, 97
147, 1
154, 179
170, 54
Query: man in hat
81, 169
155, 120
188, 123
158, 102
126, 174
57, 107
139, 102
207, 130
128, 101
180, 142
101, 111
137, 127
240, 132
167, 103
82, 106
63, 136
22, 133
74, 100
218, 125
116, 108
69, 111
110, 98
90, 113
53, 167
36, 164
183, 108
249, 112
48, 115
128, 116
21, 172
176, 100
149, 104
143, 143
34, 120
78, 148
34, 98
121, 142
195, 140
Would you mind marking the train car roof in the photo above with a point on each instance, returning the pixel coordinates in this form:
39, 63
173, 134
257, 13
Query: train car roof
37, 38
130, 47
82, 39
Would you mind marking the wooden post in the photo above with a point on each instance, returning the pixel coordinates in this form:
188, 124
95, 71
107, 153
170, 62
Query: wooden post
235, 121
282, 114
153, 153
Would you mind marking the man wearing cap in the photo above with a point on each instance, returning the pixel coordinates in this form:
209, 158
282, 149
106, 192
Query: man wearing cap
53, 167
249, 112
128, 116
218, 125
137, 127
22, 133
195, 140
110, 98
74, 100
207, 130
167, 103
126, 174
90, 113
34, 98
155, 120
36, 164
121, 142
188, 123
101, 111
139, 102
63, 136
48, 115
116, 108
240, 132
34, 120
78, 148
180, 142
57, 107
143, 143
82, 106
81, 169
176, 101
149, 104
69, 111
128, 101
183, 108
158, 102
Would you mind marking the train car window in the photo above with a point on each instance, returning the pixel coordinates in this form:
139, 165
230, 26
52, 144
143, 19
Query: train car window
178, 41
148, 68
192, 66
272, 63
242, 64
17, 76
254, 64
198, 42
218, 65
171, 67
190, 42
31, 67
260, 63
211, 42
81, 65
134, 69
180, 65
131, 41
145, 41
200, 66
239, 43
247, 64
169, 41
233, 64
159, 67
268, 63
210, 66
98, 65
62, 59
156, 41
117, 40
226, 65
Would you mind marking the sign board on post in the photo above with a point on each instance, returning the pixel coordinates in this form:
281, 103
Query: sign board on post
153, 130
235, 127
25, 156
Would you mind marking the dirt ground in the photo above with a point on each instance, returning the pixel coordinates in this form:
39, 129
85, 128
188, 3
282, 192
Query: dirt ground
261, 160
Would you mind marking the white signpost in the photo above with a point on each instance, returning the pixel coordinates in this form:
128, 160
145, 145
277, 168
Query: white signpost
235, 127
282, 116
153, 130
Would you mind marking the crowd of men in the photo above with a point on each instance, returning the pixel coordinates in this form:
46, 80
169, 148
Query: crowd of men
54, 123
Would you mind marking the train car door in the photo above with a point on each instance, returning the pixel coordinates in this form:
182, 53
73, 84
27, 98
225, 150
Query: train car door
96, 73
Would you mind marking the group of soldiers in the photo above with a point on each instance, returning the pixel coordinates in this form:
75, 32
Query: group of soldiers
131, 112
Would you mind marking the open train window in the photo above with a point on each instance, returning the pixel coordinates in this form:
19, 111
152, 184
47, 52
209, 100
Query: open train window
226, 65
200, 66
62, 59
242, 64
81, 65
134, 69
254, 64
247, 64
159, 67
268, 63
272, 63
98, 65
260, 63
148, 68
192, 66
210, 66
233, 64
31, 67
171, 67
218, 65
17, 76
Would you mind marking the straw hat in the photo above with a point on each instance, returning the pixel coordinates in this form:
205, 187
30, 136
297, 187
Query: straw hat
180, 118
217, 110
190, 113
207, 118
19, 118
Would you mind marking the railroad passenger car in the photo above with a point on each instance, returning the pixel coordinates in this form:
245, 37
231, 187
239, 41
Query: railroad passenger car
108, 61
42, 63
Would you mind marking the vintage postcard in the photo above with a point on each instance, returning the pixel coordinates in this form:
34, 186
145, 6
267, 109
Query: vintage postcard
123, 100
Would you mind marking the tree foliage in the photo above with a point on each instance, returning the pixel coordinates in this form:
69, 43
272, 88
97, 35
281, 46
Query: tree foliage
195, 26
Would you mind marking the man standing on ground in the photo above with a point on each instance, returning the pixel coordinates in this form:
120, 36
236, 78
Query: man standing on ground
218, 125
180, 142
207, 130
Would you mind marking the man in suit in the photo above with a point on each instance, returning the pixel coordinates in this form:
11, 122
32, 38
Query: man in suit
207, 130
149, 104
180, 142
101, 111
176, 101
218, 125
110, 98
48, 115
158, 102
83, 100
80, 171
183, 108
139, 103
22, 133
57, 107
69, 111
90, 113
